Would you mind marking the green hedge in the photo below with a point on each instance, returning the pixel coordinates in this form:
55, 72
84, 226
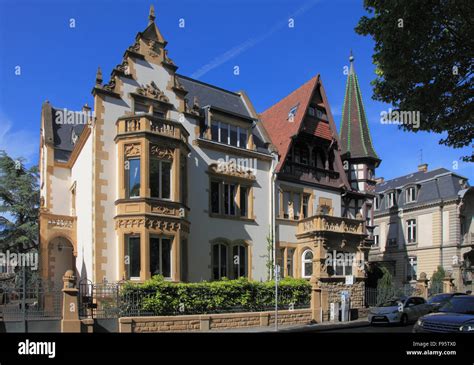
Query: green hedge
159, 297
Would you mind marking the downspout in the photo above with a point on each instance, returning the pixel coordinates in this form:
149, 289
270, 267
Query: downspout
273, 230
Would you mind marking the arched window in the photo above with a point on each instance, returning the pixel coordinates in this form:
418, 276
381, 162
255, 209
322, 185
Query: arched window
307, 264
219, 261
239, 261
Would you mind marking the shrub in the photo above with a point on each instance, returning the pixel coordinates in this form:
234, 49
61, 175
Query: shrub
159, 297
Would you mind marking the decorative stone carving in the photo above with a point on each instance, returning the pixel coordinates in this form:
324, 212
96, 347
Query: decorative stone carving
194, 109
161, 152
152, 91
135, 47
60, 223
152, 223
160, 209
111, 85
132, 150
178, 85
231, 170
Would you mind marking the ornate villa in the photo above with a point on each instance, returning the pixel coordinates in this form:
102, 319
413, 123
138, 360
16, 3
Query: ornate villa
172, 176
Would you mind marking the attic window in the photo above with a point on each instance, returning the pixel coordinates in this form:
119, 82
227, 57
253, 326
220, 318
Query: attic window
292, 112
311, 111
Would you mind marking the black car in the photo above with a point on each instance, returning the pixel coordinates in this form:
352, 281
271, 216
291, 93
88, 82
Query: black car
457, 315
438, 300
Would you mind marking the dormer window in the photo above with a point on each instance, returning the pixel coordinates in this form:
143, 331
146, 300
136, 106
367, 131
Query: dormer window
410, 194
311, 111
376, 203
292, 112
391, 199
229, 134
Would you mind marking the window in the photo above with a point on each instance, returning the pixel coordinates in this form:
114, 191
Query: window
229, 199
305, 206
224, 197
243, 138
239, 257
160, 256
341, 264
376, 240
296, 205
132, 257
141, 108
243, 201
376, 203
410, 194
412, 266
219, 260
289, 261
132, 169
160, 179
311, 111
411, 230
229, 134
286, 201
215, 197
391, 199
307, 264
292, 112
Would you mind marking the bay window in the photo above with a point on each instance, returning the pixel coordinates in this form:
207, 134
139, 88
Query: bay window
160, 256
160, 179
132, 257
132, 172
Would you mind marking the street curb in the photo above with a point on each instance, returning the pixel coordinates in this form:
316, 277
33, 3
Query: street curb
326, 327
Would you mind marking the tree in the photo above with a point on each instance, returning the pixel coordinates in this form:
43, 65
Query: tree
19, 204
437, 279
424, 52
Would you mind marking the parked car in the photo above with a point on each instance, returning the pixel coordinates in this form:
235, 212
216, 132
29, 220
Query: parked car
438, 300
399, 310
457, 315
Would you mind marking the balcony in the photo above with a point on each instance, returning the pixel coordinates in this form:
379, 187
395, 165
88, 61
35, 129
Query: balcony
329, 224
310, 173
151, 124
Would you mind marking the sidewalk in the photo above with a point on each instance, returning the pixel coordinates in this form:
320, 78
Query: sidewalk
326, 326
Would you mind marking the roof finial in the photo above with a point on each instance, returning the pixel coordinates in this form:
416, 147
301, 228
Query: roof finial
151, 15
351, 57
98, 76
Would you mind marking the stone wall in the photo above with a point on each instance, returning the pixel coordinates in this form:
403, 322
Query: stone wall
209, 322
334, 289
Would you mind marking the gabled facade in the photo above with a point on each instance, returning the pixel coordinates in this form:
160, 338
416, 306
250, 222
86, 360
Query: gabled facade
169, 175
163, 179
317, 219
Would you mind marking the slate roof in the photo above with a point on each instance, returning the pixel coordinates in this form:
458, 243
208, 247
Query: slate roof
214, 96
432, 186
355, 134
60, 135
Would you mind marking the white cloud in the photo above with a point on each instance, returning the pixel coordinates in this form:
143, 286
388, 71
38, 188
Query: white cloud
235, 51
18, 142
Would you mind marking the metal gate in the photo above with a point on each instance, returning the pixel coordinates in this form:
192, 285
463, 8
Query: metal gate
25, 300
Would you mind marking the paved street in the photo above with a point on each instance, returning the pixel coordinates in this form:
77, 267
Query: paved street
373, 329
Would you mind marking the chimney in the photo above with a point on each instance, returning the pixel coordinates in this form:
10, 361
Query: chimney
423, 167
379, 180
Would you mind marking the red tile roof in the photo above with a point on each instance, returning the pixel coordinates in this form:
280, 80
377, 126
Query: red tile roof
281, 129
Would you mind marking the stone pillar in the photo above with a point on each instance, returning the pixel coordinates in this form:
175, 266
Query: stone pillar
448, 286
70, 321
316, 308
318, 295
457, 277
422, 285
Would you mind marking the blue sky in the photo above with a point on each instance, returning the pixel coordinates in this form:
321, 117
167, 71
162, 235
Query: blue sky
58, 63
